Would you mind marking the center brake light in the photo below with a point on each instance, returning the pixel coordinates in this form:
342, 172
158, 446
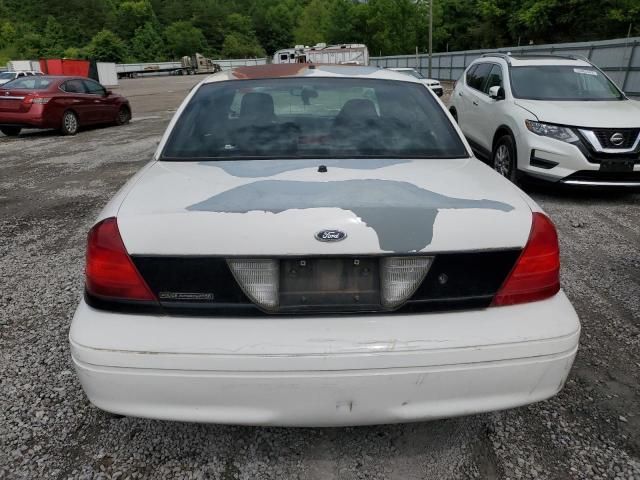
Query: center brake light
536, 275
109, 269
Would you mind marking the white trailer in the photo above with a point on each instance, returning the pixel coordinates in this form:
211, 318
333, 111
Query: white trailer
342, 54
23, 66
132, 70
107, 74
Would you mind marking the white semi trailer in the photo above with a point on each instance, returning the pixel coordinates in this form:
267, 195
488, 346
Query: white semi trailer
342, 54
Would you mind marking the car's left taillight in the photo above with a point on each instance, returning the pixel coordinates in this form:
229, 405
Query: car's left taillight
34, 99
110, 272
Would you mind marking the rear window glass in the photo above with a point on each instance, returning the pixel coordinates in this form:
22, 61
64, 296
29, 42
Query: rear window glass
29, 83
313, 118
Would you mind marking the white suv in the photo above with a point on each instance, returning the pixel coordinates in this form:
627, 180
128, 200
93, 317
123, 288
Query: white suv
556, 118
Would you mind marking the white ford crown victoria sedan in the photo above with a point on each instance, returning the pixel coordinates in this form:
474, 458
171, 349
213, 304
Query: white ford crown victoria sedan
317, 245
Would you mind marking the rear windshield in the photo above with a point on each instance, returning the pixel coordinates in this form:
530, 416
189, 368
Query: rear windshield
562, 82
306, 117
6, 75
29, 83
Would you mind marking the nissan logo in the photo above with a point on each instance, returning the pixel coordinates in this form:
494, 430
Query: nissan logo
330, 235
617, 139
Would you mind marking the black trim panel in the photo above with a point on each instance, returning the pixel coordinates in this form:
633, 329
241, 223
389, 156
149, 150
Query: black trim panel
204, 286
541, 163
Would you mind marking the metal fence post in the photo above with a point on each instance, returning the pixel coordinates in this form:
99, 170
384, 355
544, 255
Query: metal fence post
626, 74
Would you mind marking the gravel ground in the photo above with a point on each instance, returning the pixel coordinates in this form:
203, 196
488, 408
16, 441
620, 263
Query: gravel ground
52, 187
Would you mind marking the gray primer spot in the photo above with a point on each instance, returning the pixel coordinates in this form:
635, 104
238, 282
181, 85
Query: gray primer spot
268, 168
402, 214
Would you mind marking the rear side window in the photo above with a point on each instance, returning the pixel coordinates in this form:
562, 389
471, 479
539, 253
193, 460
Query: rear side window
477, 78
29, 83
74, 86
307, 117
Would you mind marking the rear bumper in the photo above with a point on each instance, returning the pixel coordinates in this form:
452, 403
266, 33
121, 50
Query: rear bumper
34, 118
311, 371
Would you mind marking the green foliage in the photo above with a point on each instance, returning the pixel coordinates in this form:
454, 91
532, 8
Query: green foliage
106, 46
132, 15
147, 44
313, 24
7, 34
240, 40
150, 30
184, 39
275, 21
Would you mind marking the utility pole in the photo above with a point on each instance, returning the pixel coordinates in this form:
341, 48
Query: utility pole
430, 34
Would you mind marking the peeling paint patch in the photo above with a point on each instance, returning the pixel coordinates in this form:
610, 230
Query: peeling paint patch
402, 214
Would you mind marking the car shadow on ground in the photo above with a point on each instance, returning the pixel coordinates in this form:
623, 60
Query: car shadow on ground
36, 133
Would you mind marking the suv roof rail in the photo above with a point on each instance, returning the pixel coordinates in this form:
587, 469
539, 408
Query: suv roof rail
577, 56
505, 56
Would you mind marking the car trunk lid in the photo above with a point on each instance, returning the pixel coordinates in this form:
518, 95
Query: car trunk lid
13, 100
276, 208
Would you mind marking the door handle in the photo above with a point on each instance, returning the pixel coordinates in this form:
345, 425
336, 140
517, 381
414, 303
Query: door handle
475, 103
460, 94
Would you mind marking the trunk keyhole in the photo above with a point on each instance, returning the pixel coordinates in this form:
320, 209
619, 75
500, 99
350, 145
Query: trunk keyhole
322, 169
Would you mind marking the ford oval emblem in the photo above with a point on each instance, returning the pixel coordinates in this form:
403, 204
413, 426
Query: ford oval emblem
330, 235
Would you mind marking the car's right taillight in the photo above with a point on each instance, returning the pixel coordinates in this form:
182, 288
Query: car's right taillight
110, 272
536, 275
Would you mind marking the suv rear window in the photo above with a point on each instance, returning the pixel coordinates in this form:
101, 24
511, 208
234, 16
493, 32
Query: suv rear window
306, 117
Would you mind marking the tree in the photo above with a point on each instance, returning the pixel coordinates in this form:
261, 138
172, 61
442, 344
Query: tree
7, 34
240, 40
147, 44
53, 39
184, 39
209, 16
133, 14
275, 21
238, 46
29, 45
314, 23
106, 46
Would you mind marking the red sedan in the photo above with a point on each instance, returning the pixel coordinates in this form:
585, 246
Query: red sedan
63, 103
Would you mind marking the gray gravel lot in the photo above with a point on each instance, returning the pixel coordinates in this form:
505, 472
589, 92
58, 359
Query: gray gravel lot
51, 188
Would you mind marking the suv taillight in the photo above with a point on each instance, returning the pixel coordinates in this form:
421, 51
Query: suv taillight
109, 270
536, 275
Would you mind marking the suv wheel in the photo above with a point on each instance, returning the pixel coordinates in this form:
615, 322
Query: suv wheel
70, 123
11, 131
504, 158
